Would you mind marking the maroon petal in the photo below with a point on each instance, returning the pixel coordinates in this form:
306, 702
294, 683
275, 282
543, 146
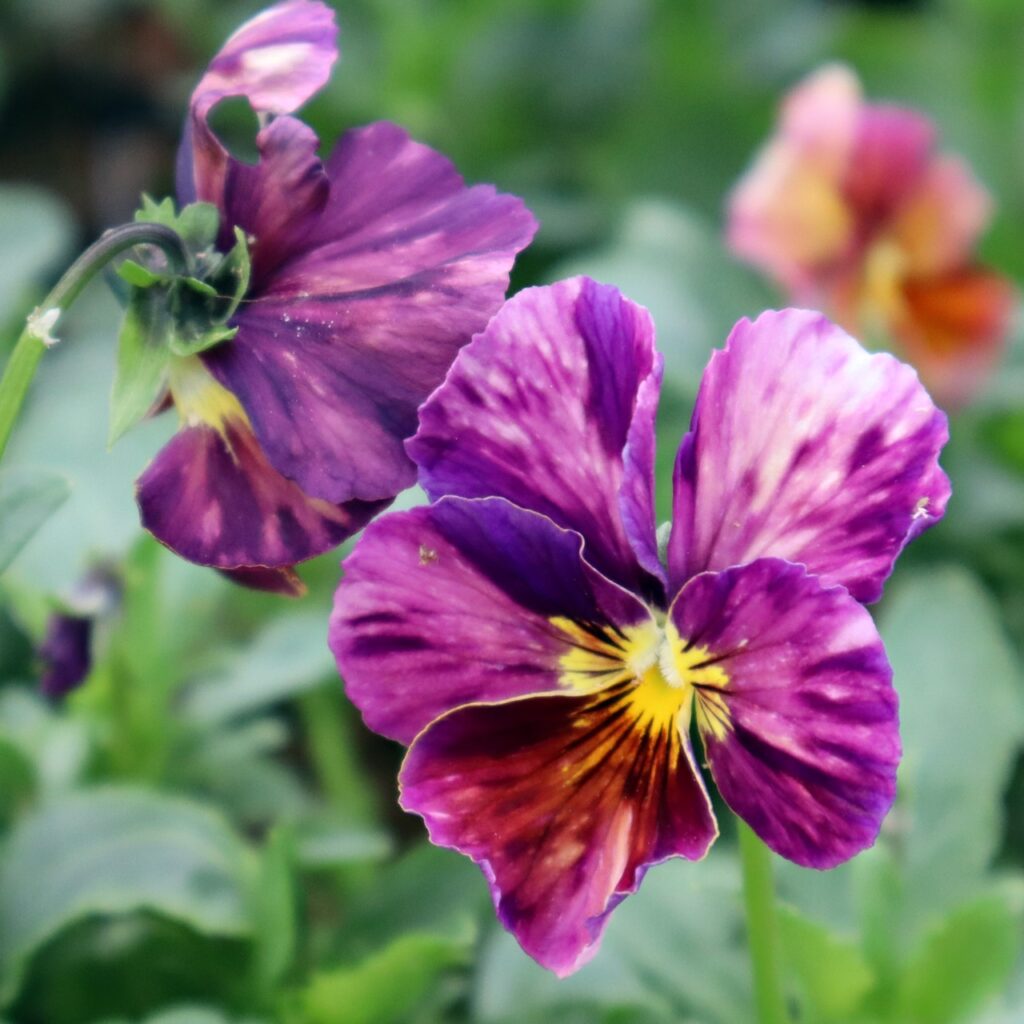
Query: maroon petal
564, 802
338, 348
211, 496
276, 60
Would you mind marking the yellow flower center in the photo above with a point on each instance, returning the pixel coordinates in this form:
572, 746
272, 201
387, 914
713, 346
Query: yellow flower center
669, 676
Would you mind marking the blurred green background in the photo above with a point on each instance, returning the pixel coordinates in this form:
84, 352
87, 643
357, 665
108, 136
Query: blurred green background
205, 833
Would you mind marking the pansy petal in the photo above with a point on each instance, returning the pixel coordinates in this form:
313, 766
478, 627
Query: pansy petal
276, 201
65, 653
467, 601
819, 118
283, 580
954, 329
938, 225
563, 801
889, 157
276, 60
806, 447
540, 409
404, 265
787, 214
799, 720
211, 496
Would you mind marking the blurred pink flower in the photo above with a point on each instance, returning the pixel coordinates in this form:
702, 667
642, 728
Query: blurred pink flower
851, 210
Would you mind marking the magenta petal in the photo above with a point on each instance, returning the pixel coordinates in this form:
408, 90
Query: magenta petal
891, 150
450, 604
276, 60
553, 408
214, 499
563, 801
352, 331
807, 751
804, 446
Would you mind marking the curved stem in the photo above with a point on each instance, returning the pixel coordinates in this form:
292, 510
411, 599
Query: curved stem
35, 338
762, 937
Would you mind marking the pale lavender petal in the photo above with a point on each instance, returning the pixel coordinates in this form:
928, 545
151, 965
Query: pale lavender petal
211, 496
806, 447
339, 347
452, 604
801, 734
564, 802
276, 60
553, 408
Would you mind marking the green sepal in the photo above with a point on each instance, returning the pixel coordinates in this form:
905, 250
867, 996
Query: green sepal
197, 223
143, 353
139, 276
174, 315
194, 344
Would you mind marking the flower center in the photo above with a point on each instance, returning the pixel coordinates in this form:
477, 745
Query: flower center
665, 676
199, 397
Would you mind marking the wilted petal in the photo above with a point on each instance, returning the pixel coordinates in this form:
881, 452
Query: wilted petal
276, 60
800, 729
276, 202
455, 603
541, 408
955, 329
211, 496
563, 801
340, 347
806, 447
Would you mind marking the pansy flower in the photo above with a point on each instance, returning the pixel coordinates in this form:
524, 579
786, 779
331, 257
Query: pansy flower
370, 269
522, 635
851, 210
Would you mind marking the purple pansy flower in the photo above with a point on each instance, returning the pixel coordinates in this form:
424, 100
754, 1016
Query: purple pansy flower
369, 271
521, 635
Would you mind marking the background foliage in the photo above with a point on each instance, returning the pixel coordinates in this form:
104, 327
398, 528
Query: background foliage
205, 834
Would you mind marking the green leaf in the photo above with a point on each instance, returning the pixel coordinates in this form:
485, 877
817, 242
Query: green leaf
386, 987
113, 851
831, 972
27, 500
963, 963
962, 720
324, 845
673, 951
17, 779
142, 358
288, 657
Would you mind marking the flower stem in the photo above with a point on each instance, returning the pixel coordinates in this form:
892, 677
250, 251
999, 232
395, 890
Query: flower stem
762, 937
34, 340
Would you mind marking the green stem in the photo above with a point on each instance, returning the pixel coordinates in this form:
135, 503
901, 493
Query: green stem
332, 745
34, 340
762, 930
